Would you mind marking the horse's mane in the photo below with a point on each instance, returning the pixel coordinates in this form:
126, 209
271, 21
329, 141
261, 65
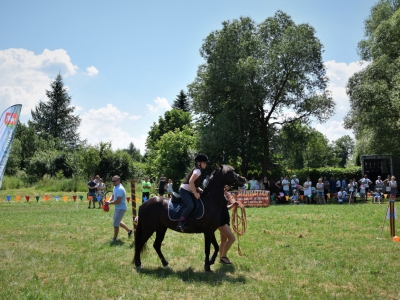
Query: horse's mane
221, 170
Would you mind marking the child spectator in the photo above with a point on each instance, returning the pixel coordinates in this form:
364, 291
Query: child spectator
295, 198
378, 196
169, 188
307, 190
362, 192
320, 191
350, 188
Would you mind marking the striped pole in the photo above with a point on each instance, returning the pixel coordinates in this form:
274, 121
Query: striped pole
391, 215
134, 201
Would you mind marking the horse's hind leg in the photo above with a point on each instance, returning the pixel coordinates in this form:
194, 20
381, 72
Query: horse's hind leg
216, 249
141, 239
160, 234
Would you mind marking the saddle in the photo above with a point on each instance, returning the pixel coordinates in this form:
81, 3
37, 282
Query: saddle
175, 207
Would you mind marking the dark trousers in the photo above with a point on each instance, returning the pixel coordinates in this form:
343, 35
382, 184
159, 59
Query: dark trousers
145, 194
186, 197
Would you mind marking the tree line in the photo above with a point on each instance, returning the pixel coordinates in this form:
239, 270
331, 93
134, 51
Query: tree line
251, 105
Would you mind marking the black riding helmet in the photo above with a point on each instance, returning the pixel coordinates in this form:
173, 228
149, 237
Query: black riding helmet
201, 157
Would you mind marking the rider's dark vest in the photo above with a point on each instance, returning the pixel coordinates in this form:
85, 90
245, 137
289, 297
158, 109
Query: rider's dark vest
198, 182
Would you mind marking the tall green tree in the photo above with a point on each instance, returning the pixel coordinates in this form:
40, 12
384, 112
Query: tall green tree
299, 146
344, 148
55, 117
172, 119
375, 91
259, 77
134, 152
182, 102
175, 154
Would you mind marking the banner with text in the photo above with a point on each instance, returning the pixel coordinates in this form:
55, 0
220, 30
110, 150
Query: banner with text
8, 126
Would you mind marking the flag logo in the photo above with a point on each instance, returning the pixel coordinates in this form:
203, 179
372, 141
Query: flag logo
11, 119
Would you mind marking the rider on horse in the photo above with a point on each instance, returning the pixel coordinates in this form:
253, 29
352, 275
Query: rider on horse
191, 186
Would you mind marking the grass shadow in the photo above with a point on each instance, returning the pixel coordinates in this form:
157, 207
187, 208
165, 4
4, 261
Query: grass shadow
117, 243
189, 275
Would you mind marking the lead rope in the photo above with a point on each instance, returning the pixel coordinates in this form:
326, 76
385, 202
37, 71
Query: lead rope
238, 221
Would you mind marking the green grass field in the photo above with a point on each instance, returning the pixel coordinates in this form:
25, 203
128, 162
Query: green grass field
62, 250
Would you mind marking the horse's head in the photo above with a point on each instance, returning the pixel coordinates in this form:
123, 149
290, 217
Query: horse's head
229, 177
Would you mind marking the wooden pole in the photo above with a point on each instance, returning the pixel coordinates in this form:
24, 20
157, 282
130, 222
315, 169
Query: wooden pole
392, 216
134, 200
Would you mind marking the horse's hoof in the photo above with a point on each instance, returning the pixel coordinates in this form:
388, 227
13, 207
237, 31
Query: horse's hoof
212, 262
138, 268
164, 263
207, 269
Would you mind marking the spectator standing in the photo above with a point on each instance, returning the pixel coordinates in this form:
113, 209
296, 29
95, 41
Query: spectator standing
355, 189
393, 186
92, 186
332, 186
350, 188
387, 185
118, 199
294, 182
326, 188
100, 191
379, 183
338, 184
366, 182
266, 184
285, 186
161, 185
169, 188
320, 191
253, 183
307, 190
247, 184
344, 184
362, 192
278, 186
146, 186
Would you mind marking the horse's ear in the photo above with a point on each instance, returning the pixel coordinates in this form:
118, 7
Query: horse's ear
221, 166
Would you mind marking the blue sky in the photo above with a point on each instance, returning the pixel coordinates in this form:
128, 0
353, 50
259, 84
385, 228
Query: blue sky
124, 62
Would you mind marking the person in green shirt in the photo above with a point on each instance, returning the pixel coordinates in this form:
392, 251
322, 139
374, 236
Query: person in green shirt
146, 186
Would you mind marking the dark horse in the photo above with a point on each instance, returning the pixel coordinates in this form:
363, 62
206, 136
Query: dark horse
153, 217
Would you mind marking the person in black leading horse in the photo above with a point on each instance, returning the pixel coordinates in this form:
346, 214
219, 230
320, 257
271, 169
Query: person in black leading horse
191, 185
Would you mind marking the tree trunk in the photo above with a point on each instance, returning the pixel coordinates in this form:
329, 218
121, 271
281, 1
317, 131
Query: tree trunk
265, 164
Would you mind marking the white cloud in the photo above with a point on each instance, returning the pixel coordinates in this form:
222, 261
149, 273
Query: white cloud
91, 71
339, 74
333, 130
106, 124
161, 104
134, 118
24, 76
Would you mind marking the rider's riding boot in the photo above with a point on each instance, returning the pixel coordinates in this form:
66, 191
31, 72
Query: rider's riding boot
181, 226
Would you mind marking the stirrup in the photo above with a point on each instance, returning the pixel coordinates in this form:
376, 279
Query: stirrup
181, 226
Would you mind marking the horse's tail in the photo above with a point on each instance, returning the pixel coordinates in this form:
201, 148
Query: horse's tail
138, 234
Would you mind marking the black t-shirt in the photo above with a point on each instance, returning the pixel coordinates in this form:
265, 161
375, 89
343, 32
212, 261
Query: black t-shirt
92, 184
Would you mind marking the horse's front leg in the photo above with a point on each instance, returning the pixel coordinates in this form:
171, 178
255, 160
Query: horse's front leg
207, 245
216, 249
